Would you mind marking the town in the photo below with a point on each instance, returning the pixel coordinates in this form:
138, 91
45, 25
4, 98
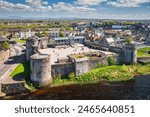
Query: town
37, 53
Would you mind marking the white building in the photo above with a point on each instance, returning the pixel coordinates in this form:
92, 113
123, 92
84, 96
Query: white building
26, 34
68, 40
54, 33
107, 42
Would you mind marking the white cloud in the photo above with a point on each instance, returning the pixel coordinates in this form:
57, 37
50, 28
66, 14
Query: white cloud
127, 3
89, 2
42, 8
40, 5
36, 2
61, 6
45, 3
9, 6
32, 5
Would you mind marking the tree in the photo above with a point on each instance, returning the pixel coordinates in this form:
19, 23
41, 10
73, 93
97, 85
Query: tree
62, 29
40, 35
129, 40
71, 76
69, 28
111, 61
5, 45
61, 34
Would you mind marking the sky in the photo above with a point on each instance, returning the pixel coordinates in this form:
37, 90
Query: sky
91, 9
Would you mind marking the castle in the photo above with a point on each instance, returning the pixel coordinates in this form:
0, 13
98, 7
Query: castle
79, 57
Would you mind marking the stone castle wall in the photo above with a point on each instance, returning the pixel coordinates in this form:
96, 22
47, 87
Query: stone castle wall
40, 68
127, 53
4, 55
62, 69
35, 43
82, 67
130, 54
13, 88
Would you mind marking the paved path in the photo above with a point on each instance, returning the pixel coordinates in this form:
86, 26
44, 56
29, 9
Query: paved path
12, 64
142, 46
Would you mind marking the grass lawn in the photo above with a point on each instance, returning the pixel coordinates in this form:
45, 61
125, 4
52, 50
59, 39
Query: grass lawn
22, 41
108, 73
142, 52
78, 56
22, 69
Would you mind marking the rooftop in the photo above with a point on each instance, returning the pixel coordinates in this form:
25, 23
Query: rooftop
87, 56
39, 56
110, 40
66, 38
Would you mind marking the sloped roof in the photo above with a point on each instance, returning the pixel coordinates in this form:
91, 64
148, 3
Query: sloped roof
110, 40
3, 39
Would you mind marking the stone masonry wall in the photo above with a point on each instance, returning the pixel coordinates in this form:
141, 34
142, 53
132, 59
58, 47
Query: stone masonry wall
4, 55
62, 69
40, 70
13, 88
85, 66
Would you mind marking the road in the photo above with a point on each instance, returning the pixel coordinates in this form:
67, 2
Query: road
142, 46
16, 50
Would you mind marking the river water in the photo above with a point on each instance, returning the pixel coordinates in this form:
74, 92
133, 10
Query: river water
137, 89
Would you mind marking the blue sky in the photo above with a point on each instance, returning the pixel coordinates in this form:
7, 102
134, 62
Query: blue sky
99, 9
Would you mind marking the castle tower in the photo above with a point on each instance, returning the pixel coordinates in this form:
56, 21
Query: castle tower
40, 70
130, 54
148, 39
33, 41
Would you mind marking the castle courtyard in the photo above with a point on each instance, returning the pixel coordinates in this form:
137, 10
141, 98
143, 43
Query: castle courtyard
61, 52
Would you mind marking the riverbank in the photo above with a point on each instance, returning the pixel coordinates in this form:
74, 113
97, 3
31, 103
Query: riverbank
137, 86
108, 73
134, 89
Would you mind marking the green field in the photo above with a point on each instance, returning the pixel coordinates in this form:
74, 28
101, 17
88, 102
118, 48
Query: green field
142, 52
22, 41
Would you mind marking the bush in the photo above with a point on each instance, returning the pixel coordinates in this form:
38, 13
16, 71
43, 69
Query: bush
124, 68
71, 76
129, 40
5, 45
61, 34
100, 65
111, 61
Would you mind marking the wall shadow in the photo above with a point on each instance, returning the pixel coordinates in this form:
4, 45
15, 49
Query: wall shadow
23, 76
15, 59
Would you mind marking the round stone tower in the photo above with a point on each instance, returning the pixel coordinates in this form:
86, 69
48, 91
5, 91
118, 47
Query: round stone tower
130, 54
40, 70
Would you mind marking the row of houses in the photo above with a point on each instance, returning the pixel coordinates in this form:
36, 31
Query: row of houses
68, 40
